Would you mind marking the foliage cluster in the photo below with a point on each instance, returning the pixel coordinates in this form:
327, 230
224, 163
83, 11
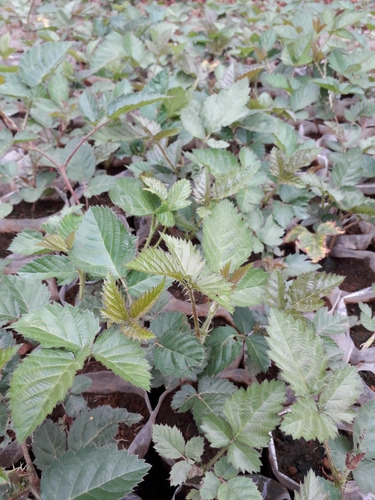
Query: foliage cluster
197, 122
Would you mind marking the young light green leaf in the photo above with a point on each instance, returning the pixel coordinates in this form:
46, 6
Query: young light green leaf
49, 442
169, 442
178, 195
98, 427
40, 61
106, 473
102, 245
226, 238
307, 421
224, 348
50, 266
57, 326
146, 301
129, 195
298, 352
114, 310
305, 291
38, 384
123, 356
156, 187
179, 355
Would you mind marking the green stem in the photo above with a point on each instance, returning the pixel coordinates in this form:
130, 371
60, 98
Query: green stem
195, 313
160, 237
34, 482
153, 227
339, 479
81, 285
162, 150
213, 460
206, 325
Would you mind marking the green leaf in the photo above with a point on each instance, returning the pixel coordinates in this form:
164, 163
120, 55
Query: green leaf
276, 291
308, 422
364, 427
88, 104
339, 394
224, 348
327, 323
49, 442
179, 355
217, 161
178, 194
129, 195
210, 486
146, 301
58, 326
217, 431
180, 472
129, 102
20, 295
82, 165
244, 458
257, 350
123, 356
252, 413
191, 119
6, 141
114, 303
102, 245
238, 488
169, 442
6, 355
226, 107
207, 399
305, 291
106, 473
194, 448
250, 289
298, 352
27, 242
38, 384
226, 238
364, 475
98, 427
40, 61
305, 95
311, 489
50, 266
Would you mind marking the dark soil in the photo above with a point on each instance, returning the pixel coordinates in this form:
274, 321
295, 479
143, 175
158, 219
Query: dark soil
357, 273
296, 456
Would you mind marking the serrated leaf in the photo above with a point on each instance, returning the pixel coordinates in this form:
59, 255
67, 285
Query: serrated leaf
114, 309
366, 317
20, 295
191, 119
243, 457
169, 442
210, 486
179, 355
226, 238
252, 413
6, 355
54, 242
129, 195
97, 427
40, 61
60, 327
298, 352
26, 242
129, 102
209, 398
50, 266
238, 488
156, 187
218, 162
308, 422
340, 392
194, 448
123, 356
284, 169
305, 291
88, 104
178, 195
49, 442
82, 165
364, 475
250, 289
180, 472
257, 350
146, 301
226, 107
217, 431
102, 245
327, 323
363, 429
106, 473
134, 330
38, 384
5, 208
275, 291
311, 489
224, 348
